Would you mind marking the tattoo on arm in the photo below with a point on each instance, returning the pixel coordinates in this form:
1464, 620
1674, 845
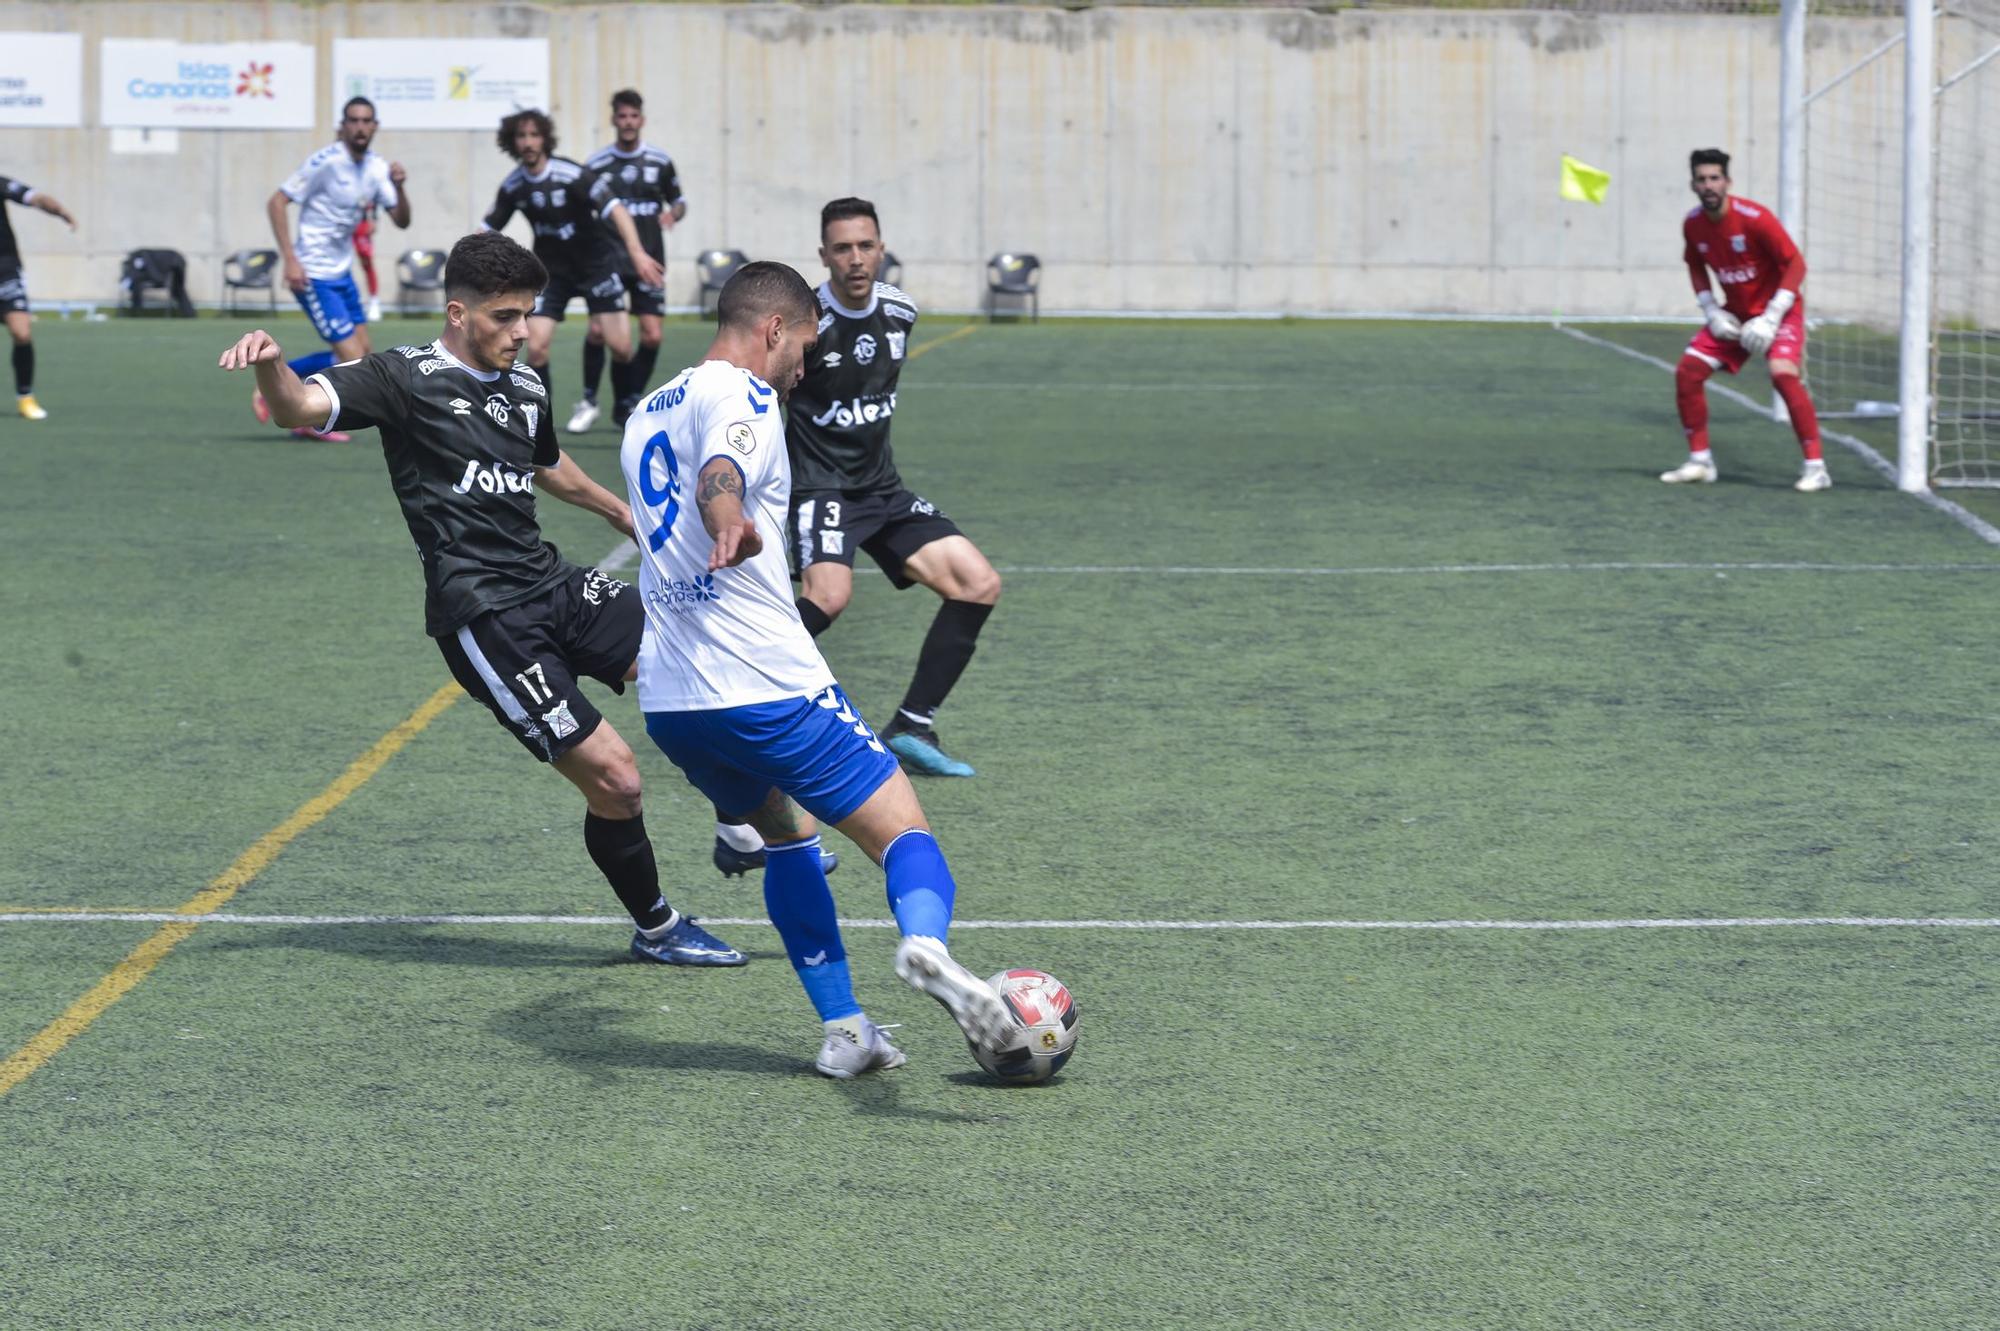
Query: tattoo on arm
719, 482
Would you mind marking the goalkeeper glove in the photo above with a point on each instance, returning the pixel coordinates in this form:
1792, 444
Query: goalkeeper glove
1761, 331
1722, 324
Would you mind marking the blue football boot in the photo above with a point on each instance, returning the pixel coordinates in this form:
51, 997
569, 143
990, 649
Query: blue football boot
686, 944
918, 749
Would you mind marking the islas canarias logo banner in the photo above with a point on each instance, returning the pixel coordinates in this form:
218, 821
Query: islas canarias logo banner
214, 85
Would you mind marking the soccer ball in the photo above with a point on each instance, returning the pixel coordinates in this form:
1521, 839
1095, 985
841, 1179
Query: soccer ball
1047, 1015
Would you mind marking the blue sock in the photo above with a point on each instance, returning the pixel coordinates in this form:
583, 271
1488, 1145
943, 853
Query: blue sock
921, 890
799, 902
313, 364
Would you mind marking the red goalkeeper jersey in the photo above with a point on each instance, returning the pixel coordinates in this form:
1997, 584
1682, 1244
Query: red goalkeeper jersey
1748, 251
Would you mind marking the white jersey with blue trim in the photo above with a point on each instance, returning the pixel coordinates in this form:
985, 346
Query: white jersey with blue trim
730, 638
331, 190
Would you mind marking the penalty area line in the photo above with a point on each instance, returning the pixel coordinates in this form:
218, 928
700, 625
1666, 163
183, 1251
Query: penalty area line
1137, 926
202, 908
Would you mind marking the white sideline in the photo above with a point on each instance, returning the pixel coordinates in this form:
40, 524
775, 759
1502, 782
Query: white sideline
1882, 466
1140, 926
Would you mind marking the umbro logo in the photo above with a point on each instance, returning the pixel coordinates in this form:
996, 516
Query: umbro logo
830, 361
461, 407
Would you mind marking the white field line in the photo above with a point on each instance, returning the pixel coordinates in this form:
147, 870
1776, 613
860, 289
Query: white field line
1409, 570
1138, 926
1882, 466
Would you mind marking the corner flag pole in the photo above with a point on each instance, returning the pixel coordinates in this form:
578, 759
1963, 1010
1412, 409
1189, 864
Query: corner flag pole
1580, 183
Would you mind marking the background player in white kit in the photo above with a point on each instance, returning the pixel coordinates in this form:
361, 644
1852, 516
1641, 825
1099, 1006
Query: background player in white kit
737, 695
333, 189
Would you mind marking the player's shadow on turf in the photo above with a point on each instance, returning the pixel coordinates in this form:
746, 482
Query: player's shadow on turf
602, 1041
430, 946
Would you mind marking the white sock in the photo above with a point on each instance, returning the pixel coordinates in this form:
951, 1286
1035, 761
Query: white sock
1705, 457
922, 722
673, 919
856, 1026
739, 836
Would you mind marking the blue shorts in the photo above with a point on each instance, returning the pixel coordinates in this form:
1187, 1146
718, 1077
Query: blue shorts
334, 306
818, 750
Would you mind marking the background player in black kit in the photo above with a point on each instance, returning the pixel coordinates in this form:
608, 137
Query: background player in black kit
468, 438
567, 204
846, 494
14, 291
644, 178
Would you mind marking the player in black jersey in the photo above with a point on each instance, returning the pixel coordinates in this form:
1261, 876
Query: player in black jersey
645, 179
468, 438
847, 496
567, 203
14, 291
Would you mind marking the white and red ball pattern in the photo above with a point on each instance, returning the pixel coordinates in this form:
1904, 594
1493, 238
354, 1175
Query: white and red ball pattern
1048, 1018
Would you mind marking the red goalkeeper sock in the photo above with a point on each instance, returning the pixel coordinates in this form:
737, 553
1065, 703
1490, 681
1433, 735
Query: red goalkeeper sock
1692, 398
1799, 403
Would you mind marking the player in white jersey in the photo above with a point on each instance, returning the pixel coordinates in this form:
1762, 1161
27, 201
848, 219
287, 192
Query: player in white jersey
333, 189
736, 693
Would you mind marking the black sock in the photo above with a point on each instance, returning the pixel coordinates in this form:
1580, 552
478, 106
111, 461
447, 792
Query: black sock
816, 619
648, 357
24, 368
625, 857
622, 382
947, 649
593, 368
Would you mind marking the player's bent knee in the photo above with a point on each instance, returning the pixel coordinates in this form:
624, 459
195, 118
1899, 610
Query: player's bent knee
1784, 369
1692, 372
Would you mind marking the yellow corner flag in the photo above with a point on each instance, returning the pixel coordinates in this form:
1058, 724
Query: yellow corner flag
1583, 184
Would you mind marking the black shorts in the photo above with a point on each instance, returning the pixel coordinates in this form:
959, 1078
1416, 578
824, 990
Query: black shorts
524, 662
828, 526
603, 293
13, 288
645, 299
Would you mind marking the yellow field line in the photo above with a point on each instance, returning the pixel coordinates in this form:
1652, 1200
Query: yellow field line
139, 963
952, 336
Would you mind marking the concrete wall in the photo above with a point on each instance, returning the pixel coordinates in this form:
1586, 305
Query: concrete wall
1208, 159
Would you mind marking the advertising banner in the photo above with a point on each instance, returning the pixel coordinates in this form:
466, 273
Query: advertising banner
208, 85
41, 78
442, 83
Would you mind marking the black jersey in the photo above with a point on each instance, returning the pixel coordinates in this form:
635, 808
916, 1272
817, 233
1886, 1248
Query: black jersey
647, 184
462, 445
11, 191
837, 422
566, 205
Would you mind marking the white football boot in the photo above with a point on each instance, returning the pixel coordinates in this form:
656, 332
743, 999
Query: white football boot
925, 963
583, 417
373, 309
1692, 472
843, 1057
1813, 476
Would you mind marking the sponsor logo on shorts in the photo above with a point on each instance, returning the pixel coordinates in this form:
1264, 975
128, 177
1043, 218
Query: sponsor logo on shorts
601, 587
919, 504
561, 724
832, 542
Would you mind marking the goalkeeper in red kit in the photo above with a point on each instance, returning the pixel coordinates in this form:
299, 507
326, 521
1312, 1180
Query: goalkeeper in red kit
1760, 270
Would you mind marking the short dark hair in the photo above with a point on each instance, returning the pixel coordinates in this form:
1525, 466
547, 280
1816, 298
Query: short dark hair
764, 288
1709, 157
539, 119
353, 102
842, 209
628, 97
487, 263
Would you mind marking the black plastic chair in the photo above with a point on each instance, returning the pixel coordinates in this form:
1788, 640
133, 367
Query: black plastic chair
249, 270
1018, 276
716, 268
419, 270
892, 269
155, 270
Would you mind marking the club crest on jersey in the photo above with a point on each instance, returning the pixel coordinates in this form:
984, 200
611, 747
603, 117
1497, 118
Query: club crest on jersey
741, 438
864, 349
896, 341
532, 414
499, 407
1738, 243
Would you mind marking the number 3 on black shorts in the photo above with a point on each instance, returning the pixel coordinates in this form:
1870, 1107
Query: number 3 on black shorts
821, 536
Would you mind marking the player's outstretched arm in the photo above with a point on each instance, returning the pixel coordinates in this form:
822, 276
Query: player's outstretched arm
719, 495
571, 484
48, 204
644, 265
293, 401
